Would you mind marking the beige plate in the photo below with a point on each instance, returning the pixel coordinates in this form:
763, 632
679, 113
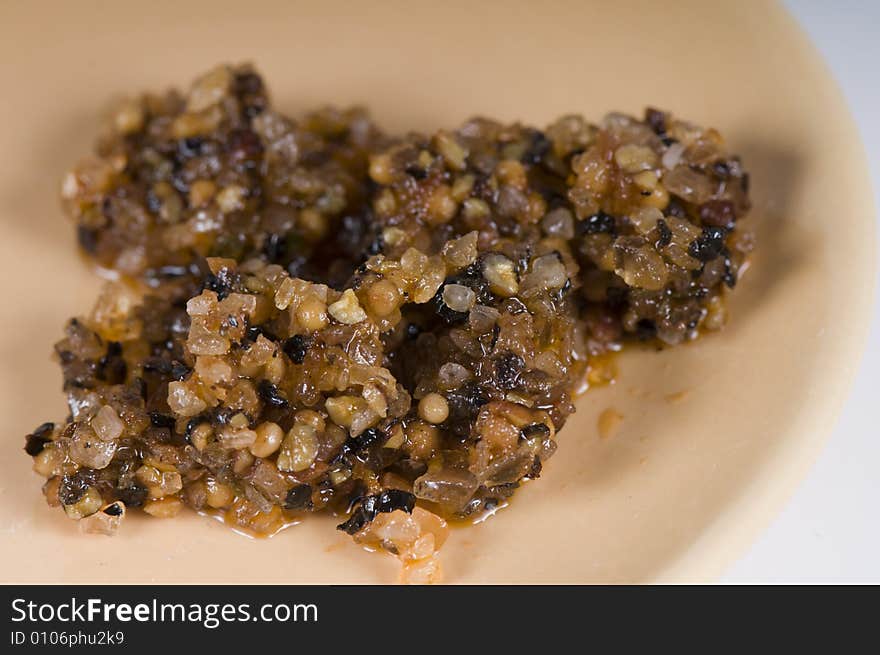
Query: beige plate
684, 486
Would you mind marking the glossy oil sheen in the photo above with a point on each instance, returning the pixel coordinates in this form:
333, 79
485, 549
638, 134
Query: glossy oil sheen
683, 486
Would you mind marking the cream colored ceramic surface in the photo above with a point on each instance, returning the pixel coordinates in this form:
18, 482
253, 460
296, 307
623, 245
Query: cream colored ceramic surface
683, 486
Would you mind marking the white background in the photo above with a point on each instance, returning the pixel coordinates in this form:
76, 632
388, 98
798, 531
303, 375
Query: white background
830, 530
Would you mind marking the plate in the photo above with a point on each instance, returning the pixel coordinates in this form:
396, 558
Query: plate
689, 478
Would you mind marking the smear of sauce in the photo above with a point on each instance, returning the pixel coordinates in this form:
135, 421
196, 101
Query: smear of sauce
601, 371
219, 515
485, 514
609, 423
678, 396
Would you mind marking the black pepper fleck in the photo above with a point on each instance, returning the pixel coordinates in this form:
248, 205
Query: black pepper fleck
656, 119
87, 238
539, 148
133, 496
299, 497
270, 394
296, 347
394, 499
709, 245
535, 430
35, 441
507, 370
665, 235
600, 223
161, 420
